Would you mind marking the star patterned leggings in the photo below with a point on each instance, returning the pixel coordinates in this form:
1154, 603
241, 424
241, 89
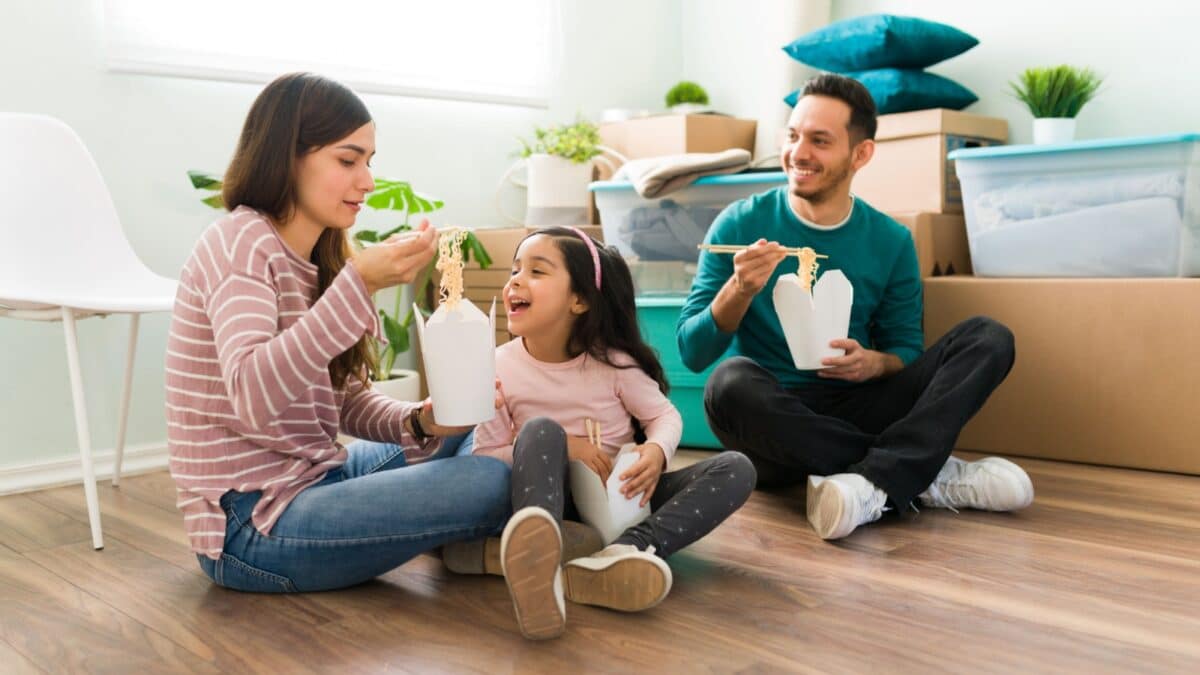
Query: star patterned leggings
686, 505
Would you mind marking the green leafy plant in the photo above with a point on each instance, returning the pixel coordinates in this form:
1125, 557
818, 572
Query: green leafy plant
1058, 91
578, 142
400, 196
391, 195
686, 92
207, 181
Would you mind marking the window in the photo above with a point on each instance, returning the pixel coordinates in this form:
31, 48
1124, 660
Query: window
476, 50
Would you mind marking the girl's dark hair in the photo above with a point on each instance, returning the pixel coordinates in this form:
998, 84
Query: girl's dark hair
293, 116
611, 320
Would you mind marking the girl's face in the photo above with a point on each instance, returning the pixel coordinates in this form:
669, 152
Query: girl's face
333, 180
538, 296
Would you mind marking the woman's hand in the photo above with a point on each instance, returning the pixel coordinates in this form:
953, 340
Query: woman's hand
398, 260
432, 428
642, 477
593, 457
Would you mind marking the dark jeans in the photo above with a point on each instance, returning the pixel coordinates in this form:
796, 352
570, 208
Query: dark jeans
896, 432
686, 505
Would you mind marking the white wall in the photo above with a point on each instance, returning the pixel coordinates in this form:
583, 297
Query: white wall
734, 50
146, 132
1141, 48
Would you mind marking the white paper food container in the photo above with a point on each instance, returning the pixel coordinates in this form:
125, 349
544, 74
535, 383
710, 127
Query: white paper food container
811, 322
459, 348
604, 507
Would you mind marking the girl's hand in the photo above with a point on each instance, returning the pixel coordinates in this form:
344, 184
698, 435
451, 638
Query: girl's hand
642, 477
593, 457
398, 260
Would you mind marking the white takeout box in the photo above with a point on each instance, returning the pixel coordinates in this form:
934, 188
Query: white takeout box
603, 506
459, 348
811, 322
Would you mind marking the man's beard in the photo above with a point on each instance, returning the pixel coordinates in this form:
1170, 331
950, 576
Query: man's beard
824, 193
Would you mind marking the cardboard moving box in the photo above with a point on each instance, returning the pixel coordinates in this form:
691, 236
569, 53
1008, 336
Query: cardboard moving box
941, 241
910, 172
672, 134
1106, 371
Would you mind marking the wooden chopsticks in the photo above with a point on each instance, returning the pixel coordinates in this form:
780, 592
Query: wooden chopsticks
734, 248
593, 431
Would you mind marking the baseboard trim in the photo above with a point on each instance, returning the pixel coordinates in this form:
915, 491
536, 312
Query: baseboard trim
141, 458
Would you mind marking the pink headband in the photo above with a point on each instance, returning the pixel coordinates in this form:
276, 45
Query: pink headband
592, 248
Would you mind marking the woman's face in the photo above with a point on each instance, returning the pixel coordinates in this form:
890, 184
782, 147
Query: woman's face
333, 180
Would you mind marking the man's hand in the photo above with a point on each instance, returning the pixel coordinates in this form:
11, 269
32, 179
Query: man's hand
858, 364
753, 267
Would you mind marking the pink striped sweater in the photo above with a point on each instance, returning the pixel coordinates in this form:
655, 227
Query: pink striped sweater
249, 402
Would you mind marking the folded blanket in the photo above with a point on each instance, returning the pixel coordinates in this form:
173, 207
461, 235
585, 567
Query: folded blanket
657, 176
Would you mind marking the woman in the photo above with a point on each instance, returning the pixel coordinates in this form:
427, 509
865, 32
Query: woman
268, 359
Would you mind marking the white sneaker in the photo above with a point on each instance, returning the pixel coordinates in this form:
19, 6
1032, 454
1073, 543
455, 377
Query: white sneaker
990, 484
619, 577
839, 503
530, 557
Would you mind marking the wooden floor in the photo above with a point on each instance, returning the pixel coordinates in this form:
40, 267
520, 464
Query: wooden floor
1102, 573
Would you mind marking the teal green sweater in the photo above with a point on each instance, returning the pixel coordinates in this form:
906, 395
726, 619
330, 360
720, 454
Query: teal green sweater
874, 252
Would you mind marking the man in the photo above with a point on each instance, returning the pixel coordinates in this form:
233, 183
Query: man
874, 429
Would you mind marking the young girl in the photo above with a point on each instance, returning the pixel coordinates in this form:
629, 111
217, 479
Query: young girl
267, 360
580, 357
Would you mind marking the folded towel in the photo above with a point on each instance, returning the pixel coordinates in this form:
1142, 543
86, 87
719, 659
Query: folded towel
657, 176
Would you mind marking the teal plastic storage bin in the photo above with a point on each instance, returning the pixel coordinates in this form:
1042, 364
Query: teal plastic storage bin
657, 317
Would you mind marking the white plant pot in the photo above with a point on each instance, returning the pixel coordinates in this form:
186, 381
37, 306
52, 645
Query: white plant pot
1050, 130
690, 108
404, 385
558, 191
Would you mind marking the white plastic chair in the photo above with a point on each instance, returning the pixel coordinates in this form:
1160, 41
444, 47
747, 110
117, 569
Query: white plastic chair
64, 257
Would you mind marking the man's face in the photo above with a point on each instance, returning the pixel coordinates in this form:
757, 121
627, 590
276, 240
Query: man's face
817, 153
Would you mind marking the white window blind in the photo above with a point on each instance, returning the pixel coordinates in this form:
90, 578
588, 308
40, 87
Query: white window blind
497, 51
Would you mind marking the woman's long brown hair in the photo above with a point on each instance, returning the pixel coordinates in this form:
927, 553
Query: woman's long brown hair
294, 115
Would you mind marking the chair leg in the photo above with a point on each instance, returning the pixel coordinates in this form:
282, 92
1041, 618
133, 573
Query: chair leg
123, 415
81, 427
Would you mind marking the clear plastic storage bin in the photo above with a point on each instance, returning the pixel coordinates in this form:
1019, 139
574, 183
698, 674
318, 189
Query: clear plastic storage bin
658, 237
1126, 207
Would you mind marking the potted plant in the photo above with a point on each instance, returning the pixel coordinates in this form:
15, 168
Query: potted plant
559, 165
399, 383
1055, 95
686, 98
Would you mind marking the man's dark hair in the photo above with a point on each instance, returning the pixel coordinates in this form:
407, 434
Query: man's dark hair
851, 92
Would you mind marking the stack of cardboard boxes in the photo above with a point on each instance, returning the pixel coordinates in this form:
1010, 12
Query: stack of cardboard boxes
1104, 367
910, 179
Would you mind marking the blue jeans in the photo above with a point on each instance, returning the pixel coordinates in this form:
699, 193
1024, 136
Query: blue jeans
367, 517
456, 446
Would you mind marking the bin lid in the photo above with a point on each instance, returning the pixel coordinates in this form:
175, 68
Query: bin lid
675, 300
1075, 146
748, 178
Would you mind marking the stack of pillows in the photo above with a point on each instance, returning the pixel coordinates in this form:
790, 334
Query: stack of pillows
888, 53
